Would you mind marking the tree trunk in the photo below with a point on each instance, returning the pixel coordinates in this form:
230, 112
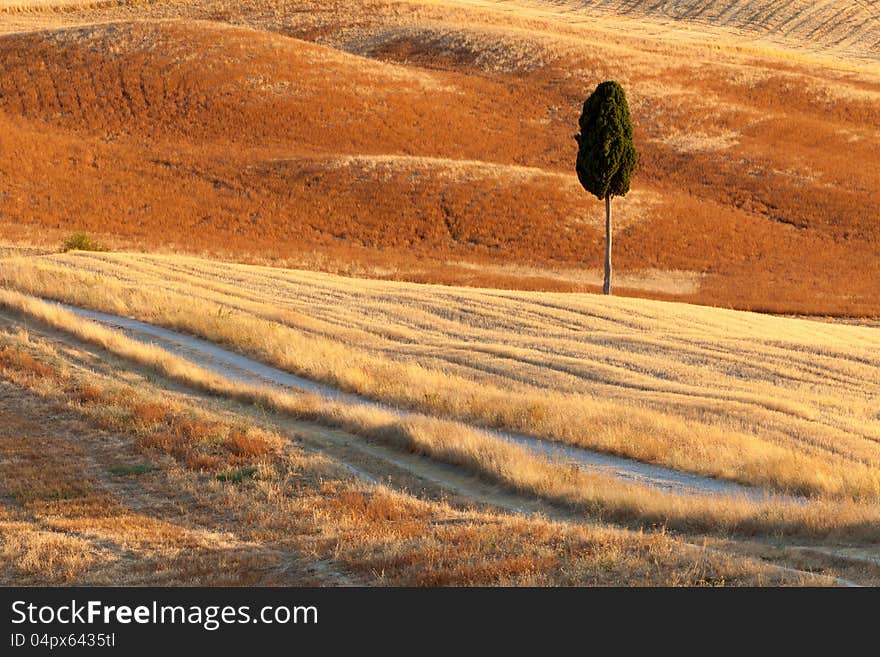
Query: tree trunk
607, 287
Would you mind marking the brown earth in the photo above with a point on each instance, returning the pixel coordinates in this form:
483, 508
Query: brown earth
431, 141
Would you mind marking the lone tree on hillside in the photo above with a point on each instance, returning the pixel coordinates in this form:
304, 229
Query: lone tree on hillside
606, 155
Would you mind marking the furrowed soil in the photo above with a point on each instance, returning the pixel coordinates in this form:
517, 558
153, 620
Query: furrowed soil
432, 141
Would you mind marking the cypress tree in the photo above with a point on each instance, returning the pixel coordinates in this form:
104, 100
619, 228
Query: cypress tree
606, 156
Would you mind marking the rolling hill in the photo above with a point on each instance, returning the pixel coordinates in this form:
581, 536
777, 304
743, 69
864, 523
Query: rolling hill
846, 26
431, 141
727, 433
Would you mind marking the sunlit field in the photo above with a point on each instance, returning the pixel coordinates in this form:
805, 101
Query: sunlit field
301, 292
109, 480
779, 402
432, 141
804, 430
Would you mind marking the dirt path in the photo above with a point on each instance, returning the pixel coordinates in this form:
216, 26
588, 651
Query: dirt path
242, 369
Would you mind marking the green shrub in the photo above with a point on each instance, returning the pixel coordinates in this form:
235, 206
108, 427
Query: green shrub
82, 242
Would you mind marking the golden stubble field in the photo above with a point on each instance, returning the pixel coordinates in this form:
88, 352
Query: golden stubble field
124, 481
763, 400
431, 141
425, 148
785, 405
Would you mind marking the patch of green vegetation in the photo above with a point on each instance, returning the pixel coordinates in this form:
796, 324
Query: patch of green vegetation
238, 476
129, 470
82, 242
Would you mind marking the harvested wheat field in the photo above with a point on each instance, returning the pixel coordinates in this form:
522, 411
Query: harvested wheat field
300, 293
432, 141
508, 399
91, 494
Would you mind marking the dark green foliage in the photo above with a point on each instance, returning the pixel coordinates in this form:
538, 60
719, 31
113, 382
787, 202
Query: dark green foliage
606, 155
81, 242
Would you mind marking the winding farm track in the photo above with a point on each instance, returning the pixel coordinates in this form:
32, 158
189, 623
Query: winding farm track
241, 369
335, 445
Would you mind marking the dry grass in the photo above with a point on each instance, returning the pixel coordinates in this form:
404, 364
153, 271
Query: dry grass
22, 362
218, 124
495, 460
782, 403
365, 138
841, 26
300, 519
13, 6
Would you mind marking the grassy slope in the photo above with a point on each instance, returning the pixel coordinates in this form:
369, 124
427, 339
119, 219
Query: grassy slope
381, 150
125, 482
532, 480
848, 27
789, 404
